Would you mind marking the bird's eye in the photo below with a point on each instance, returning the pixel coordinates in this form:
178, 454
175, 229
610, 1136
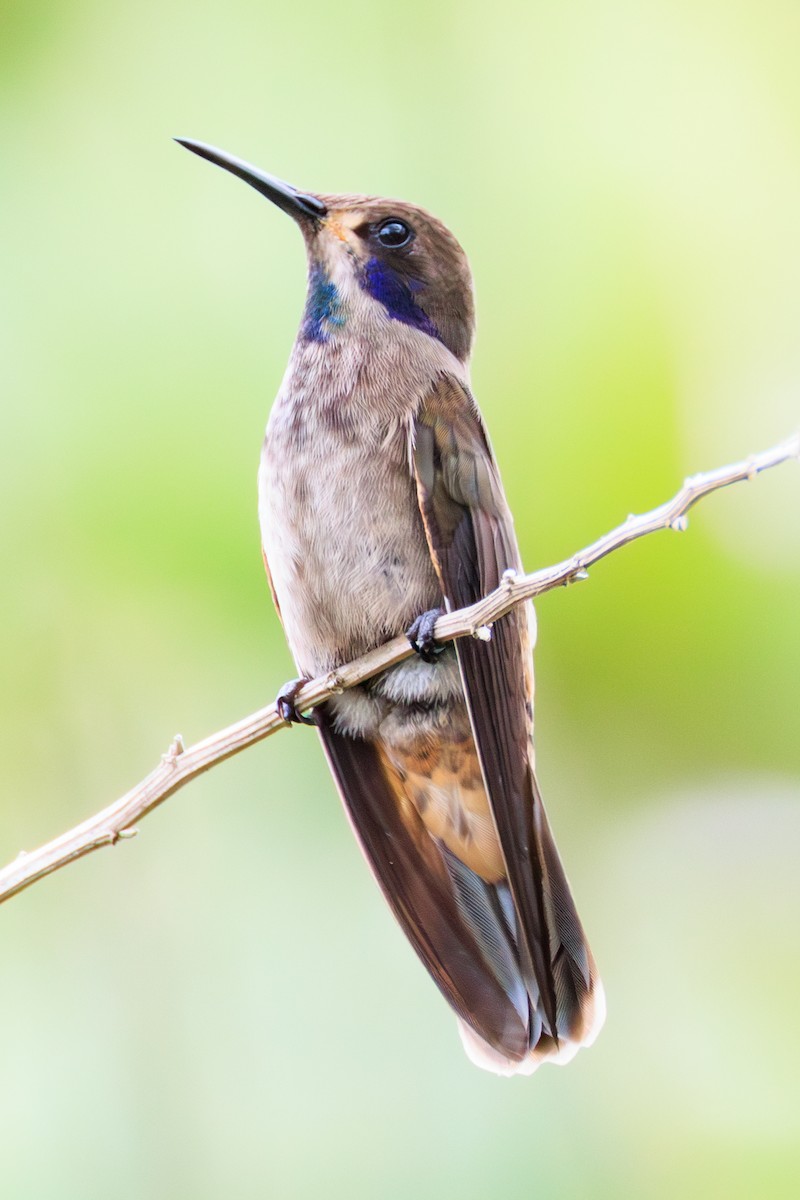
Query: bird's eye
394, 233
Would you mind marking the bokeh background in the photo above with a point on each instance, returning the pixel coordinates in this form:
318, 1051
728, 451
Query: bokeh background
224, 1007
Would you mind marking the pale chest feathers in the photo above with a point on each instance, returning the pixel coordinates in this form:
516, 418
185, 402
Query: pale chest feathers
340, 522
342, 535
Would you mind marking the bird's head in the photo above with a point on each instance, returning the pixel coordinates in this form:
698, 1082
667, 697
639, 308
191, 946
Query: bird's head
371, 260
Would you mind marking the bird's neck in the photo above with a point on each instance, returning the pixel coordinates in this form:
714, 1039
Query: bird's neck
326, 310
352, 360
344, 298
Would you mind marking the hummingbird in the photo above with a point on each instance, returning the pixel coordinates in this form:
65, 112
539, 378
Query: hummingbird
381, 506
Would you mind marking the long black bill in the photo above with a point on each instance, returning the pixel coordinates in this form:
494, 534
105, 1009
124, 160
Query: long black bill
292, 201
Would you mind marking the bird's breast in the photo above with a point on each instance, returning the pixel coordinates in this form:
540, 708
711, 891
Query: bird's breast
341, 533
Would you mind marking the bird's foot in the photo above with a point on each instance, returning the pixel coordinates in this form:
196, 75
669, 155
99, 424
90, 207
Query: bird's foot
285, 704
420, 634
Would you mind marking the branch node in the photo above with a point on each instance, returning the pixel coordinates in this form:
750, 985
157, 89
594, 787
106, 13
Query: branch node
334, 683
577, 576
483, 633
680, 524
175, 750
126, 834
509, 578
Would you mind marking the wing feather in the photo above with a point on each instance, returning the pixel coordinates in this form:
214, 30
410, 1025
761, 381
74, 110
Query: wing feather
471, 537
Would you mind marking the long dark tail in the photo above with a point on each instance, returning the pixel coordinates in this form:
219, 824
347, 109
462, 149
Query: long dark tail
466, 931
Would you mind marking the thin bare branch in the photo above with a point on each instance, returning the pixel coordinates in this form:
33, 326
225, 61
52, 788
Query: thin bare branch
180, 764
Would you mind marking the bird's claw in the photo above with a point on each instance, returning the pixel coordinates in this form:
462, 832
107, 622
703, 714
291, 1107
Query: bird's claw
285, 704
420, 635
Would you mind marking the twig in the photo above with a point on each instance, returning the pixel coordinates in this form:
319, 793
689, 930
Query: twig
179, 764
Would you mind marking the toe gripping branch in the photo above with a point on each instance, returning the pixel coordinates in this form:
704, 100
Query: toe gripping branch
420, 635
285, 704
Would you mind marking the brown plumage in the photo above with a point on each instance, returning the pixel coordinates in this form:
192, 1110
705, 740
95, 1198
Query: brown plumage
379, 499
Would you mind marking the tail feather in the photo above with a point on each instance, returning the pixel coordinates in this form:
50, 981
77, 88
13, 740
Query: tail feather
489, 911
467, 928
482, 911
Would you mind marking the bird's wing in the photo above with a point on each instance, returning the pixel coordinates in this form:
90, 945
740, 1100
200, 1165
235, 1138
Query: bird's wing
471, 538
273, 593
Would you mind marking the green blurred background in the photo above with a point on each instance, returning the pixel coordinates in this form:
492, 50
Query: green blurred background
224, 1007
